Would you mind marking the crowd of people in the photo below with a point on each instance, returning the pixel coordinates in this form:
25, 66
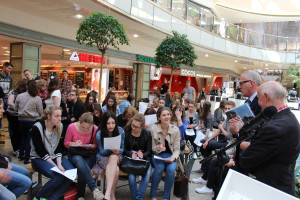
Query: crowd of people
48, 121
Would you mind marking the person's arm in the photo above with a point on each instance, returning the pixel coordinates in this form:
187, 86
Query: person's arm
148, 148
127, 146
10, 100
215, 134
39, 106
102, 151
121, 131
56, 101
155, 144
176, 145
39, 144
194, 95
182, 128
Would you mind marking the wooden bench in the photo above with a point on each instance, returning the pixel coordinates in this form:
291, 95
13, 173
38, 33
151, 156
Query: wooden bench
40, 181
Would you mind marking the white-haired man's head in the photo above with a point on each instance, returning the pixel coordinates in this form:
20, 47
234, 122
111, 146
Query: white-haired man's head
249, 82
271, 94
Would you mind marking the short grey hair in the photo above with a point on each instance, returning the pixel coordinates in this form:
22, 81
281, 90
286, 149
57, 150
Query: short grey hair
274, 89
254, 76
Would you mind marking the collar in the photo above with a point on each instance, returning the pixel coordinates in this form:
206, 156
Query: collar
282, 108
253, 96
160, 129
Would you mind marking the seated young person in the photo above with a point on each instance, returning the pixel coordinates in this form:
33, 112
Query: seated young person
109, 160
46, 153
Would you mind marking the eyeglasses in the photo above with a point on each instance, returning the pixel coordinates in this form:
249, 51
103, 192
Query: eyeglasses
71, 94
135, 127
242, 82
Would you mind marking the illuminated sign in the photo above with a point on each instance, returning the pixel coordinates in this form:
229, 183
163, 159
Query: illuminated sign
87, 58
193, 73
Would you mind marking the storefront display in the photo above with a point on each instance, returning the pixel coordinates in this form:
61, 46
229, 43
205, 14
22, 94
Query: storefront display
95, 81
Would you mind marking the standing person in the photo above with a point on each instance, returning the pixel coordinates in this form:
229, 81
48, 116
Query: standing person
111, 105
27, 75
65, 86
12, 116
138, 144
6, 81
126, 116
192, 123
271, 156
165, 144
81, 133
46, 153
109, 160
126, 103
76, 106
43, 92
164, 88
54, 95
30, 108
190, 90
89, 101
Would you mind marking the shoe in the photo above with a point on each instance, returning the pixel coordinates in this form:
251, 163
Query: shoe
98, 195
204, 190
21, 158
199, 180
198, 171
80, 198
33, 185
195, 156
15, 153
27, 162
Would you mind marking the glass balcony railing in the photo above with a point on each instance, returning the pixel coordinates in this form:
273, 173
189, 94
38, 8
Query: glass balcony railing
204, 18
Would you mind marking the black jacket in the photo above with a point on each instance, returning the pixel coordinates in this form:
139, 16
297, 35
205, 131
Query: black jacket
144, 143
256, 109
272, 154
76, 110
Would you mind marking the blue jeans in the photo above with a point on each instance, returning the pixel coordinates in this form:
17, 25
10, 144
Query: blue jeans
24, 127
57, 184
19, 181
138, 194
84, 165
159, 167
6, 194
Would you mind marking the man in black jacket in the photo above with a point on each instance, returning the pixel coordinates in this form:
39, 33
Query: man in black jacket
272, 154
76, 107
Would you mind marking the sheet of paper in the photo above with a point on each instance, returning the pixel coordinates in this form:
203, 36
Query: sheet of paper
190, 132
83, 145
70, 174
199, 137
159, 158
150, 120
143, 107
112, 142
137, 158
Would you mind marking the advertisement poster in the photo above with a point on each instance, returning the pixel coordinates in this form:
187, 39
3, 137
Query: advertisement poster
155, 73
95, 81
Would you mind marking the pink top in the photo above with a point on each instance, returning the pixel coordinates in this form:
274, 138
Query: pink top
73, 135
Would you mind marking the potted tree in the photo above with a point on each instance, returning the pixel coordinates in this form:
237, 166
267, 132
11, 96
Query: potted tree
104, 31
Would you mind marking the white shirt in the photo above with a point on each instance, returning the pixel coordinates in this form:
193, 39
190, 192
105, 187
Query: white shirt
55, 93
253, 96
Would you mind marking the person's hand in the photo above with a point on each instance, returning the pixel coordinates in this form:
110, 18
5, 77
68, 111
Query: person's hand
78, 142
244, 145
170, 161
234, 128
134, 155
205, 145
61, 167
188, 126
178, 113
230, 163
199, 128
161, 147
116, 151
73, 119
140, 154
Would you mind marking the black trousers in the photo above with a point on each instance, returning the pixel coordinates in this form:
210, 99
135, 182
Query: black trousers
14, 133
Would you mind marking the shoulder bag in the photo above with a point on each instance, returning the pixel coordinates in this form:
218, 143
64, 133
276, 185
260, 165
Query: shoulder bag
181, 185
80, 150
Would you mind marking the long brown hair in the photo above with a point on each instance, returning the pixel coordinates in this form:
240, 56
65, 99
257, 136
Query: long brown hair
21, 86
48, 111
53, 85
106, 98
173, 116
114, 106
206, 111
139, 118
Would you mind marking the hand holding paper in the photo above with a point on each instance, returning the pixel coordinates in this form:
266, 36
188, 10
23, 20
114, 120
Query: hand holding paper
112, 142
70, 174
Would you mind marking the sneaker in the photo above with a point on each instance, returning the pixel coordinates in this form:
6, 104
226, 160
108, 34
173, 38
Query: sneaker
204, 190
15, 153
199, 180
198, 171
98, 195
34, 184
195, 156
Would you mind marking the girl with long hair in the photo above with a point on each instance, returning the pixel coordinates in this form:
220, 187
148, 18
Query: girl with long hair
193, 120
111, 105
54, 94
138, 144
89, 101
97, 114
206, 120
109, 160
46, 153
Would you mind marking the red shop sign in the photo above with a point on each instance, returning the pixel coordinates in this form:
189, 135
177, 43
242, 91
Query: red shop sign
90, 58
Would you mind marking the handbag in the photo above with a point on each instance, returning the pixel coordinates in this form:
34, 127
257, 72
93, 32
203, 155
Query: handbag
80, 150
136, 167
181, 184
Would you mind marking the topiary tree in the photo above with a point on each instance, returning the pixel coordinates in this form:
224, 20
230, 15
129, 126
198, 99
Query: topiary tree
174, 51
104, 31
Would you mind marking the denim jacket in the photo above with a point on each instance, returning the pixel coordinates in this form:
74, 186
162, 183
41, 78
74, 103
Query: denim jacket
107, 152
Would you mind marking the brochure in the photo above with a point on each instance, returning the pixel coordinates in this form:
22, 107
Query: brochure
70, 174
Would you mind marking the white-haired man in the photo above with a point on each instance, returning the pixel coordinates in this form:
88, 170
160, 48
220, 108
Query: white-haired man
273, 151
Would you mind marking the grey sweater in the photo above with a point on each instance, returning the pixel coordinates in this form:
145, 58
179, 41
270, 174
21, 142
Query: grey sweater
29, 108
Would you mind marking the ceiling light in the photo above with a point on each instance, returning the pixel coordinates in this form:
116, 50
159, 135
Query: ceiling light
245, 67
266, 68
135, 35
7, 51
266, 65
4, 47
78, 16
235, 61
206, 55
241, 20
6, 54
66, 49
222, 18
